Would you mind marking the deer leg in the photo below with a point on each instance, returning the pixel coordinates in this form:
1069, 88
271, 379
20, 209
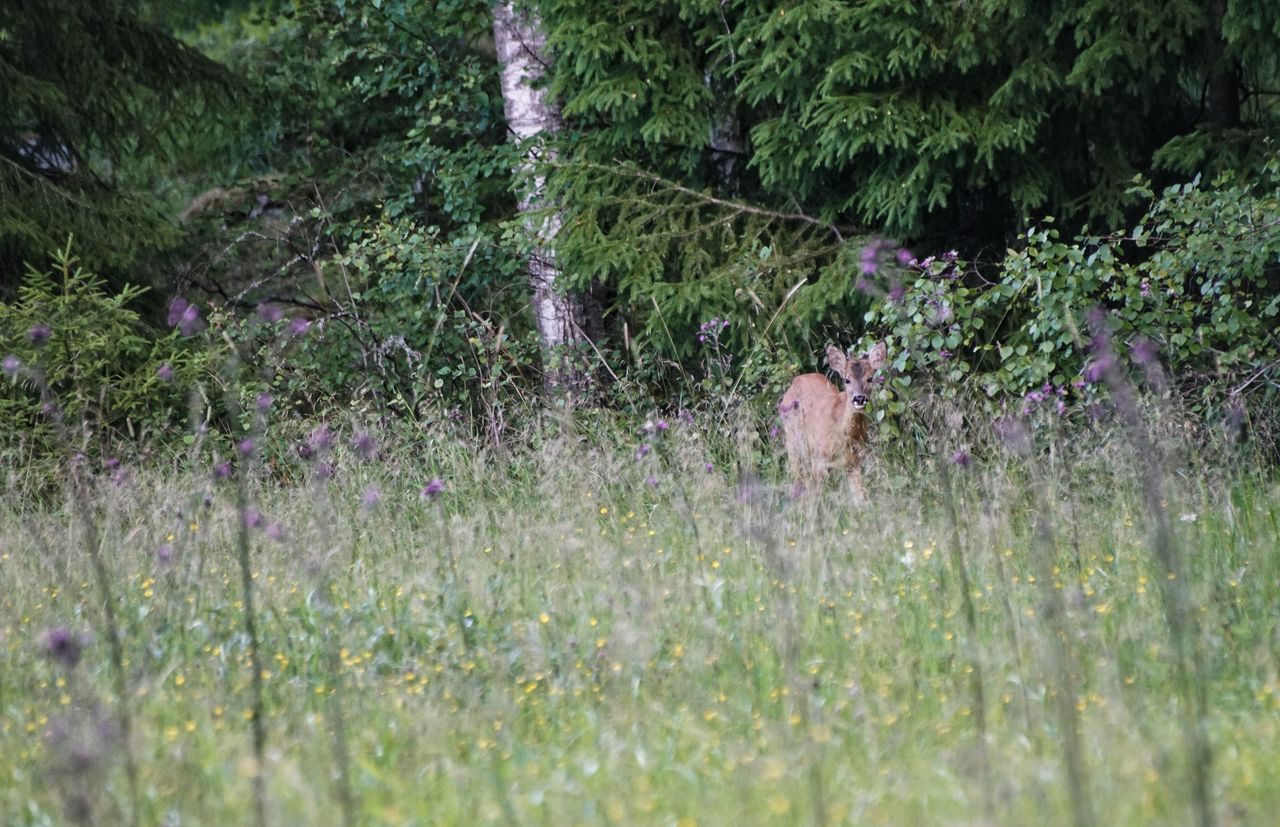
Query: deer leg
856, 488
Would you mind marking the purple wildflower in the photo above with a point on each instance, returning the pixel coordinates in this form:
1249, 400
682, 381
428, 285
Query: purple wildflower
325, 470
275, 532
897, 293
643, 451
651, 481
961, 458
165, 372
164, 553
371, 497
269, 313
264, 402
11, 365
299, 326
905, 257
222, 470
245, 447
944, 354
432, 489
364, 444
63, 645
710, 467
177, 307
317, 443
1098, 368
1144, 352
252, 518
1144, 289
39, 334
190, 324
49, 409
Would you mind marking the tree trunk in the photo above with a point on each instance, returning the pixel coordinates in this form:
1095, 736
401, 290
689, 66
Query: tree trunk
727, 145
530, 112
1224, 74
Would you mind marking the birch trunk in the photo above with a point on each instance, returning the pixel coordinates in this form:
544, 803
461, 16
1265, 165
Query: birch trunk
521, 44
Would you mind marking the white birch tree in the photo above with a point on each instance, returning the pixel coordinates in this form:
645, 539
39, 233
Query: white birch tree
530, 112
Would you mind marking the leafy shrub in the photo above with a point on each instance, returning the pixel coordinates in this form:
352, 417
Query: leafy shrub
1195, 284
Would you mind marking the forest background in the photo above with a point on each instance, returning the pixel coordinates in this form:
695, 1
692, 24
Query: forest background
719, 190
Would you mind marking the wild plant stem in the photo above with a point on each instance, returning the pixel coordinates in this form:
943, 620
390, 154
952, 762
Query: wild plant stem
1179, 617
106, 595
244, 549
970, 652
115, 645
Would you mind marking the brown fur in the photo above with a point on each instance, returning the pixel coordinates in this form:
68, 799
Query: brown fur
823, 429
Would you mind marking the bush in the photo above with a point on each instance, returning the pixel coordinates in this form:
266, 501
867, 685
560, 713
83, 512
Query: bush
1195, 284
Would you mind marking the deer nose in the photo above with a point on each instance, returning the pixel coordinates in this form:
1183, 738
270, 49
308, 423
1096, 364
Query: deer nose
858, 400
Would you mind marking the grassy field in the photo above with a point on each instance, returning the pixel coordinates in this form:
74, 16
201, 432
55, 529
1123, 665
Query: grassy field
573, 635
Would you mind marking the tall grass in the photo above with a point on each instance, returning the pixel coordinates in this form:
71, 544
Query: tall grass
574, 635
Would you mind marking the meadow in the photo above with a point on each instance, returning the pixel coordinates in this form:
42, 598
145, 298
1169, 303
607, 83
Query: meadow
576, 631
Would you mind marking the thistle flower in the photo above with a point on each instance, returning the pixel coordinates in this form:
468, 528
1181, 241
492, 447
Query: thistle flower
11, 365
264, 402
1098, 368
364, 444
222, 470
433, 489
63, 646
164, 553
269, 313
245, 447
165, 372
299, 326
961, 459
39, 334
275, 532
371, 497
1143, 352
177, 307
252, 518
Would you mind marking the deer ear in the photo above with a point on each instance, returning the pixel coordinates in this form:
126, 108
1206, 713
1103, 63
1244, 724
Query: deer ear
877, 355
836, 359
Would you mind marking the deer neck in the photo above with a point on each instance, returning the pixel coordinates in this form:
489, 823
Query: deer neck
853, 422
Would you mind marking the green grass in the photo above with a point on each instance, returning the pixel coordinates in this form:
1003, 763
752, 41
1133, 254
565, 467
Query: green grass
556, 641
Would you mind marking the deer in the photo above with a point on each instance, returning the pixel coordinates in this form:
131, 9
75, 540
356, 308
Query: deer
826, 428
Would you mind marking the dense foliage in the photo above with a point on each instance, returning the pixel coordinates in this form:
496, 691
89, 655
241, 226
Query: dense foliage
719, 161
98, 96
1193, 289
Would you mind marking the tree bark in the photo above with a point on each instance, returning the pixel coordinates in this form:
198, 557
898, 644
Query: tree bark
1224, 74
726, 142
558, 313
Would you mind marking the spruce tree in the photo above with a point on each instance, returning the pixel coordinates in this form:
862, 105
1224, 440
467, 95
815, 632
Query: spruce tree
92, 88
